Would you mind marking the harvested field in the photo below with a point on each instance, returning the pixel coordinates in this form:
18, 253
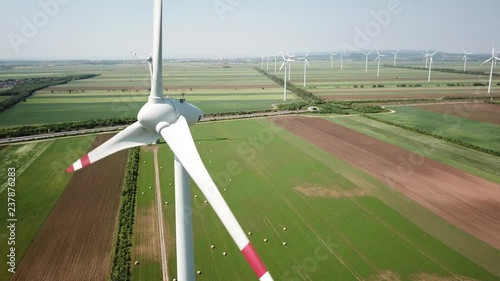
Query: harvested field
398, 96
392, 276
146, 87
483, 112
316, 191
469, 202
76, 240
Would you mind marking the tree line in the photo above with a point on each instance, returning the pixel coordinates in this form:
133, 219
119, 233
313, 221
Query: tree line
22, 91
122, 257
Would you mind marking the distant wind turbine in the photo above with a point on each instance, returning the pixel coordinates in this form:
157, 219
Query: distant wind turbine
306, 65
379, 56
148, 59
286, 64
431, 59
341, 60
275, 63
465, 59
395, 57
332, 57
366, 55
493, 59
426, 57
290, 66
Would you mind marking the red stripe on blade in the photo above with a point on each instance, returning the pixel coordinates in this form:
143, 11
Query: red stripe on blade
70, 169
85, 161
253, 259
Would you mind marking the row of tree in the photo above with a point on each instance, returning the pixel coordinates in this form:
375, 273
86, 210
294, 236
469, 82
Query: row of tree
24, 90
122, 257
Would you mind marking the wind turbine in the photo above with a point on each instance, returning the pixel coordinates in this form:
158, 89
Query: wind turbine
332, 57
426, 57
366, 55
306, 65
290, 66
341, 60
262, 62
465, 59
148, 59
267, 63
171, 119
379, 56
286, 64
395, 57
431, 59
493, 59
275, 63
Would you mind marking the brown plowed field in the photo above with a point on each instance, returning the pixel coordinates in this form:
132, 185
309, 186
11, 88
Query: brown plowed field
76, 240
483, 112
469, 202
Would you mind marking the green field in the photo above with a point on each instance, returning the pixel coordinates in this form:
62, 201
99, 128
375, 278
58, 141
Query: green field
121, 90
478, 133
150, 264
466, 159
40, 180
344, 238
354, 83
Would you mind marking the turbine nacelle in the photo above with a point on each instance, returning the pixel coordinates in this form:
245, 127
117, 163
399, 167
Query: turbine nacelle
160, 114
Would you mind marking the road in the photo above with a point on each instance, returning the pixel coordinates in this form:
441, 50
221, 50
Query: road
121, 127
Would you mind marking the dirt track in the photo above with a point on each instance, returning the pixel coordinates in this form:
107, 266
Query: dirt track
469, 202
484, 112
76, 240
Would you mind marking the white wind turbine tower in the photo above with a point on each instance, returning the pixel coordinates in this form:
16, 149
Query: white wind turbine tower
306, 65
341, 60
286, 64
290, 60
426, 57
171, 119
465, 59
431, 59
493, 59
332, 57
395, 57
275, 63
366, 64
379, 57
262, 63
267, 63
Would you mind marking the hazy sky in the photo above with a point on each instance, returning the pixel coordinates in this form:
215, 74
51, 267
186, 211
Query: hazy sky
109, 29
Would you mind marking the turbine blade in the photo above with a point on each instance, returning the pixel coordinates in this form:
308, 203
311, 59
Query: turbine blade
157, 81
134, 135
488, 60
307, 62
282, 55
282, 65
181, 142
